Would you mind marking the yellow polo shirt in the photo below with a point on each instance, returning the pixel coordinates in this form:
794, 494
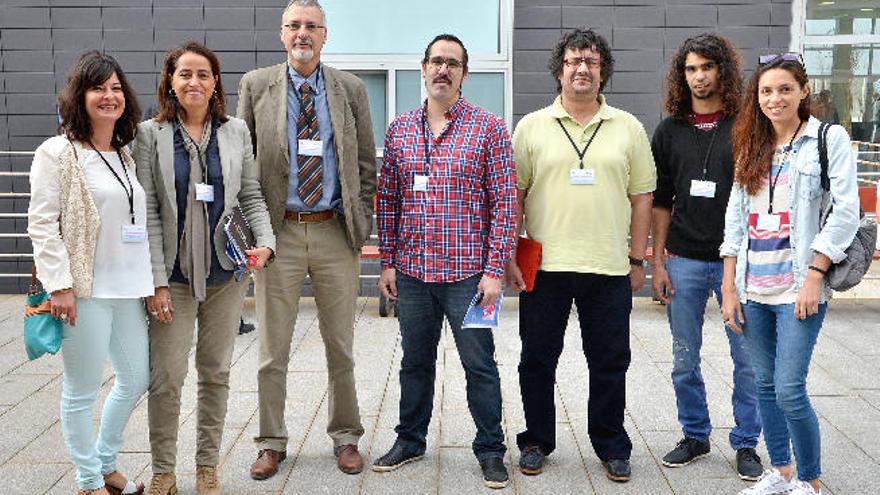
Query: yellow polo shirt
583, 228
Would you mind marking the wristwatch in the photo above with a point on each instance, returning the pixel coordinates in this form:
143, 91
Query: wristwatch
636, 262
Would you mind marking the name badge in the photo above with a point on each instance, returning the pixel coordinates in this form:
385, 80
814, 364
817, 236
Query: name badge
703, 188
205, 192
769, 222
310, 147
134, 233
582, 176
420, 183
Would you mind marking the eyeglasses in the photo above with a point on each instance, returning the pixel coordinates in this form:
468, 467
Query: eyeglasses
310, 26
452, 63
773, 57
576, 62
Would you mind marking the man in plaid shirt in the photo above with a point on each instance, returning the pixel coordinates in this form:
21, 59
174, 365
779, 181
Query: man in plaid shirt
446, 205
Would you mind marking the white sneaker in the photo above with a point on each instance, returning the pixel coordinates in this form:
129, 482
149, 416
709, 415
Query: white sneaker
804, 488
771, 483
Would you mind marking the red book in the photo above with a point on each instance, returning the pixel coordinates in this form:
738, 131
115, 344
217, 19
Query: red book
528, 259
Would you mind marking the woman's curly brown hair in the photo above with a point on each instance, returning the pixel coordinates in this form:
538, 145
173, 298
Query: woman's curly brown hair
93, 69
717, 49
754, 140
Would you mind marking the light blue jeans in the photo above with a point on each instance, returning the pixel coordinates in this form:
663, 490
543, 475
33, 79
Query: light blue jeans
693, 282
114, 327
780, 347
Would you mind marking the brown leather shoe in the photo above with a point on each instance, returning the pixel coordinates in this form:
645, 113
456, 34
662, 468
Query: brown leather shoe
349, 459
266, 464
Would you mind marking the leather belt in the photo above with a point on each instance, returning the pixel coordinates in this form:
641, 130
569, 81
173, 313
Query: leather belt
316, 217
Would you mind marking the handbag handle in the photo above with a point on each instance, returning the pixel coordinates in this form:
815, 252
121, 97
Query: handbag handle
36, 286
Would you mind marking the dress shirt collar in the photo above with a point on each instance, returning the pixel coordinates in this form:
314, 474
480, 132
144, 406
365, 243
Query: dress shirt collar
558, 111
315, 80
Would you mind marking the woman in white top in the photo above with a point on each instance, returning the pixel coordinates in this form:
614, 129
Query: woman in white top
87, 222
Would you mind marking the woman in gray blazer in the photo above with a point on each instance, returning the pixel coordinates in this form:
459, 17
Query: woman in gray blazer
196, 165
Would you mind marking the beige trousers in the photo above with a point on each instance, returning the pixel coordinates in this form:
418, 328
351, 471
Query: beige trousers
218, 319
321, 251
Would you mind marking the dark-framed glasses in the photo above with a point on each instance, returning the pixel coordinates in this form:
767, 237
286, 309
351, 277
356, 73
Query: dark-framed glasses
453, 63
309, 26
787, 56
576, 62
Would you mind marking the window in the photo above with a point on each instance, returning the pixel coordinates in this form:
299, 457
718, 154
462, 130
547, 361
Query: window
389, 60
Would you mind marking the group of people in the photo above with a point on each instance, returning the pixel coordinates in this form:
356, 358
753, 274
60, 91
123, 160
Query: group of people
126, 220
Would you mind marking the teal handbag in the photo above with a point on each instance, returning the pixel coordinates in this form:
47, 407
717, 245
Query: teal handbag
42, 331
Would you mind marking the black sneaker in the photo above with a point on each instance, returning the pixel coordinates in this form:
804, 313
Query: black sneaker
531, 460
617, 470
494, 472
748, 464
687, 451
396, 457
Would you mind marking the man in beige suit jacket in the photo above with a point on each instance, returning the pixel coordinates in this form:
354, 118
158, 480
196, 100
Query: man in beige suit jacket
302, 113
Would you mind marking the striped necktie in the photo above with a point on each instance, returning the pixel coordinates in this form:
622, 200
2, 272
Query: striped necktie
311, 178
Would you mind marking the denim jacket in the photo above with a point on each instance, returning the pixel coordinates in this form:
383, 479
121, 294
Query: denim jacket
805, 191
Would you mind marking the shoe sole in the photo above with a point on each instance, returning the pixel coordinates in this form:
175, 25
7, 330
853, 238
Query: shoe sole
618, 479
681, 464
746, 477
496, 484
386, 469
531, 472
352, 470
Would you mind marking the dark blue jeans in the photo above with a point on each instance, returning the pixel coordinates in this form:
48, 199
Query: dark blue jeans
421, 307
693, 281
604, 304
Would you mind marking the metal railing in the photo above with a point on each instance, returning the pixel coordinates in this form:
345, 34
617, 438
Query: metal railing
869, 156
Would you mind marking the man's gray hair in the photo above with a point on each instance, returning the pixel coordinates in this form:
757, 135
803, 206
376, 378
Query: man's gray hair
306, 3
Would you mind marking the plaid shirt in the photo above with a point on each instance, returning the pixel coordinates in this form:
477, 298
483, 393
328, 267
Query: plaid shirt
464, 223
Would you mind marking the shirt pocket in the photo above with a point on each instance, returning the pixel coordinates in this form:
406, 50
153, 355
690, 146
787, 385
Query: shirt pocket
807, 173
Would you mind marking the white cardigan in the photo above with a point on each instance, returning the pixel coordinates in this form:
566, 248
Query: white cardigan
61, 202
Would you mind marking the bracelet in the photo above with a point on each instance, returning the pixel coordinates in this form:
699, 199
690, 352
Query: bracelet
65, 290
817, 269
636, 262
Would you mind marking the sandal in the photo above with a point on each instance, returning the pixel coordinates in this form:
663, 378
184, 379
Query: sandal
130, 488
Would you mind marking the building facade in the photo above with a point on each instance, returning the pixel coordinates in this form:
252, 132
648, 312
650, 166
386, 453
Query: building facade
383, 40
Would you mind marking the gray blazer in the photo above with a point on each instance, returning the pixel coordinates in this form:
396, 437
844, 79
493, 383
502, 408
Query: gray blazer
262, 103
153, 151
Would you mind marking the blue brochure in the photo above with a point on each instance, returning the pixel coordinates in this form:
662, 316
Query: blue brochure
480, 317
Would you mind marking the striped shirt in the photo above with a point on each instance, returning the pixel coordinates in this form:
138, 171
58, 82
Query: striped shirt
769, 273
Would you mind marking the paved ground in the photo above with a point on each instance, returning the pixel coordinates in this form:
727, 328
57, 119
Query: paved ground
844, 385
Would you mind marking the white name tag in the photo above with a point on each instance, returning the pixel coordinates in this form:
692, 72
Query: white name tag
703, 188
769, 222
310, 147
420, 183
582, 176
134, 233
205, 192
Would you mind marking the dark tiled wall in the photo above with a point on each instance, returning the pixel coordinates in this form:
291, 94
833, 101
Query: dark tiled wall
41, 39
643, 34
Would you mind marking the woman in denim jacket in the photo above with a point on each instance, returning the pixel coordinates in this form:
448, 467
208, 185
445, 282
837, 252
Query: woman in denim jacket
776, 255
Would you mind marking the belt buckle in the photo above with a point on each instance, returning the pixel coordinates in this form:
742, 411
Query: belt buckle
300, 215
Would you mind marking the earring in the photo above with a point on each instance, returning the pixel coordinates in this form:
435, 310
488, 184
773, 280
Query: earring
172, 94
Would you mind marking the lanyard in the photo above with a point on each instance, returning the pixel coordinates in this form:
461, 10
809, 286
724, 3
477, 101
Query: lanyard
129, 191
203, 161
787, 151
580, 153
429, 137
708, 150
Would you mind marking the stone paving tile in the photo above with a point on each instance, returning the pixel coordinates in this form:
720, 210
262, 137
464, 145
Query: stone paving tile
843, 384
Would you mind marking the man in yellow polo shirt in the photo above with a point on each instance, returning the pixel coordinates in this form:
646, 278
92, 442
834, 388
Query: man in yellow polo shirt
585, 174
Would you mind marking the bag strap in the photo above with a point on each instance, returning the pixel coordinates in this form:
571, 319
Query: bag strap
823, 155
35, 284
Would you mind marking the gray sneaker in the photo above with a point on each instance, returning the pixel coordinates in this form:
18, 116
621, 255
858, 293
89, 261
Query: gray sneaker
531, 460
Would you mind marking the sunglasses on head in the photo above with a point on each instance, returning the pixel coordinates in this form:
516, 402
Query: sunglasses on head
773, 57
